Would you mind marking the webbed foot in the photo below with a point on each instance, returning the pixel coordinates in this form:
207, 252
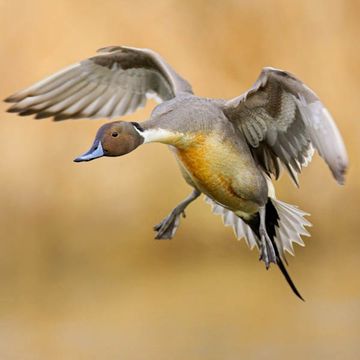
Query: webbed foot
166, 229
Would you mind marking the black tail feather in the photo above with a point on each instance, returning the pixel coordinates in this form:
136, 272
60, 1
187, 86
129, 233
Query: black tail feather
287, 276
271, 221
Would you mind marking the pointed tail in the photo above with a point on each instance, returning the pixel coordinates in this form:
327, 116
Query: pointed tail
285, 224
273, 223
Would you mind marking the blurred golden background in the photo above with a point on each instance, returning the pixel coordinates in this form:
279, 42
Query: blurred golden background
80, 274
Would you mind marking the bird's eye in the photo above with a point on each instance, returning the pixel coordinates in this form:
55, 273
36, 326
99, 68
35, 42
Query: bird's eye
114, 134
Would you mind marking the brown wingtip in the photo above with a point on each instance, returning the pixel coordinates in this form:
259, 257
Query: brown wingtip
11, 99
341, 180
43, 115
13, 109
340, 174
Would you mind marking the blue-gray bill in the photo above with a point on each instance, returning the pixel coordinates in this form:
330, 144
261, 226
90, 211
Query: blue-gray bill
95, 152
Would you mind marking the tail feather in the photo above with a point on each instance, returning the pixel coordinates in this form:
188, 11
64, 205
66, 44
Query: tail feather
272, 220
283, 270
285, 224
241, 229
272, 224
291, 226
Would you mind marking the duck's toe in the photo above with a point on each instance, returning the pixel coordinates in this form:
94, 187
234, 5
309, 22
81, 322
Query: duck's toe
166, 229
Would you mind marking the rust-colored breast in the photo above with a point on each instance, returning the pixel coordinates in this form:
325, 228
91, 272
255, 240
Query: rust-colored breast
220, 171
206, 162
194, 158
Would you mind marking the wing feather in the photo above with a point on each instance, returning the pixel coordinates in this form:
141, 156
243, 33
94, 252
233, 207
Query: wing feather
116, 81
283, 120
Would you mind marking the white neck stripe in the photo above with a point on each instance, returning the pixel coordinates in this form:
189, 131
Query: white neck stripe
154, 135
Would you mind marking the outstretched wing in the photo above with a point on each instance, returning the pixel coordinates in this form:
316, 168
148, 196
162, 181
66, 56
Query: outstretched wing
113, 83
282, 120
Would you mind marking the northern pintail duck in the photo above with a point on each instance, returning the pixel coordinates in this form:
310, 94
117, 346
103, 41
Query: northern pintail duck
228, 150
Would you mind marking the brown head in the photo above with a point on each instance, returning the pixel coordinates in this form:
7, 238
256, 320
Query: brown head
114, 139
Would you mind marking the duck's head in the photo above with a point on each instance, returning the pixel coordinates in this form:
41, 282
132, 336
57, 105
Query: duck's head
114, 139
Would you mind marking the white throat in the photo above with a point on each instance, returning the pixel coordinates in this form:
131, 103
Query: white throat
155, 135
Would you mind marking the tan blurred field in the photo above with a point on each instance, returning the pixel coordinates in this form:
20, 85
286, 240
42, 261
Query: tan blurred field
80, 274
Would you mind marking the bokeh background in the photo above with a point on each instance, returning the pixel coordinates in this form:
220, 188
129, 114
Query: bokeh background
81, 276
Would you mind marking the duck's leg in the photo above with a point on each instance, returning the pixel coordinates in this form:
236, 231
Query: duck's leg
167, 227
267, 251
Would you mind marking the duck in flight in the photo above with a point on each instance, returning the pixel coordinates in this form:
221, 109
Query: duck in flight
228, 150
